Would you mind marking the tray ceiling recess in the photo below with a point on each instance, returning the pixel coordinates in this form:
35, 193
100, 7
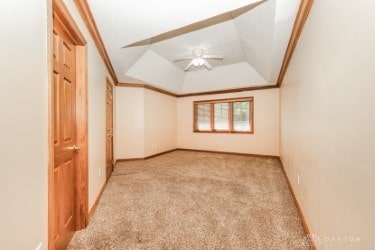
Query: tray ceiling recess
145, 41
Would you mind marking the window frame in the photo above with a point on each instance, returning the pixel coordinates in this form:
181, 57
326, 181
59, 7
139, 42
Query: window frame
230, 102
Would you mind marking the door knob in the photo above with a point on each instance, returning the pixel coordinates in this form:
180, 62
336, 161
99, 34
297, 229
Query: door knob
74, 148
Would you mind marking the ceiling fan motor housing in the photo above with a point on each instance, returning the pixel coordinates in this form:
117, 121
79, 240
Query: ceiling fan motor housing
198, 52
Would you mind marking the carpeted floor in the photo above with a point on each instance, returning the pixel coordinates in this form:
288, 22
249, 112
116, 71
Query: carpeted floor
193, 200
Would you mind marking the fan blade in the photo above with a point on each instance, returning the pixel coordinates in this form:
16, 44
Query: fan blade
217, 57
189, 66
183, 59
207, 64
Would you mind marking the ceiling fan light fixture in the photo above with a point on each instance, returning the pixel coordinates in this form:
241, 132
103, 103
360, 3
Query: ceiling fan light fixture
197, 62
198, 52
199, 59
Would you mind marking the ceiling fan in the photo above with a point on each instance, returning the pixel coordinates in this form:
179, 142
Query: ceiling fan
198, 59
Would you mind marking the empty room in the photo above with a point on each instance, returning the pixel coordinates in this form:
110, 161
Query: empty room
237, 124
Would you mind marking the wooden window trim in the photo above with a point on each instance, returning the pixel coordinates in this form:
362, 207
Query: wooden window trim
230, 115
212, 118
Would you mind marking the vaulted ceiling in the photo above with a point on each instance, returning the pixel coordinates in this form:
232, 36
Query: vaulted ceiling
143, 39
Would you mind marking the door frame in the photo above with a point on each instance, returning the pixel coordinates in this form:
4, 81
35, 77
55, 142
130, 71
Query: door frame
108, 175
60, 11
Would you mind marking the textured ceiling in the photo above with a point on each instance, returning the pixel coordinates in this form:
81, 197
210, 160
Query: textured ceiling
257, 36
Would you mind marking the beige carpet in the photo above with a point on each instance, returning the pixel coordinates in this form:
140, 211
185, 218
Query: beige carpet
193, 200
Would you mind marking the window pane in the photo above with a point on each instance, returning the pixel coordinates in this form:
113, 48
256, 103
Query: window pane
221, 116
241, 116
204, 117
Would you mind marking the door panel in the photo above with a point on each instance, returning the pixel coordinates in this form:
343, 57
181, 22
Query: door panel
67, 56
67, 111
56, 118
109, 129
64, 137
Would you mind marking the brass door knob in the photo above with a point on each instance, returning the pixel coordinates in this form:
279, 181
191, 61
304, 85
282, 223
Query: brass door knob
74, 148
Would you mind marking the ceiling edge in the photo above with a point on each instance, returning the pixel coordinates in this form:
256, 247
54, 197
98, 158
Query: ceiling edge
88, 19
225, 91
86, 15
303, 12
226, 16
146, 86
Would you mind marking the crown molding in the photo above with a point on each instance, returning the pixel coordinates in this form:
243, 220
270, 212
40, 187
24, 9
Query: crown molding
303, 12
88, 19
146, 86
216, 92
227, 91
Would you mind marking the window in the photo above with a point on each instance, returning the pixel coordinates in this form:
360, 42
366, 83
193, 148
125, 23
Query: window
204, 117
241, 116
221, 116
224, 116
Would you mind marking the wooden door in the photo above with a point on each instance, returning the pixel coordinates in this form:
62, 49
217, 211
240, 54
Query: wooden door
64, 167
109, 129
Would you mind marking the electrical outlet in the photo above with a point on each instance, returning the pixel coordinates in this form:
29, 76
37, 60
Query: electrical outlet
298, 179
40, 246
100, 171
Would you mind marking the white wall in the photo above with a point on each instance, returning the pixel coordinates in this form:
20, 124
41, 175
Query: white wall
328, 121
146, 123
97, 73
160, 121
129, 123
265, 139
24, 124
